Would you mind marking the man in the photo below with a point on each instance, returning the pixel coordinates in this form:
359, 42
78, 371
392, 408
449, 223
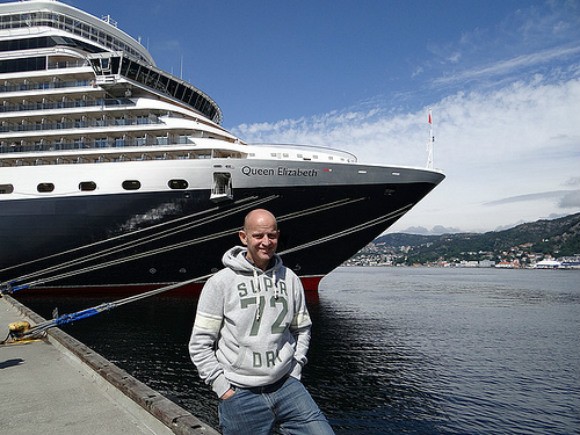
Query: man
251, 335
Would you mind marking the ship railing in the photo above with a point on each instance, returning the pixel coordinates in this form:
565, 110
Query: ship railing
36, 86
61, 64
80, 124
95, 144
106, 156
65, 105
309, 152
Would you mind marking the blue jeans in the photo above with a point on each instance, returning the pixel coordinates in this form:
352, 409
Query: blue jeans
286, 405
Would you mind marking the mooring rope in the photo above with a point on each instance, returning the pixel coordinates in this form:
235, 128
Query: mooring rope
16, 285
39, 329
380, 220
126, 259
106, 241
12, 284
168, 233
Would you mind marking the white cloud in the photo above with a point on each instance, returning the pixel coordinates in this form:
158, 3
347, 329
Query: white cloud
454, 57
510, 65
522, 139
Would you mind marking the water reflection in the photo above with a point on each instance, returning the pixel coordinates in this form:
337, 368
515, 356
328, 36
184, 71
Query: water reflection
364, 376
411, 351
359, 371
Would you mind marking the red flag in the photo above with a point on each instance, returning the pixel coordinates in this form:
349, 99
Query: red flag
430, 119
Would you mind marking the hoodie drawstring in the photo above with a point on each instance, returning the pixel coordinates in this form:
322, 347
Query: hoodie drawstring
275, 278
257, 285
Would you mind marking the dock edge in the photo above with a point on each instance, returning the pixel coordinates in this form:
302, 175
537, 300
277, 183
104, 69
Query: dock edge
118, 384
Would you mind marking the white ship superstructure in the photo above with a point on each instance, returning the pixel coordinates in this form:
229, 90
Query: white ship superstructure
116, 173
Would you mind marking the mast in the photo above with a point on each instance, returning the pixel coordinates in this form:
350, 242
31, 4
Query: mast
430, 141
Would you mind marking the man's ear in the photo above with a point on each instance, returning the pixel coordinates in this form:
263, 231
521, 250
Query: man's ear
243, 237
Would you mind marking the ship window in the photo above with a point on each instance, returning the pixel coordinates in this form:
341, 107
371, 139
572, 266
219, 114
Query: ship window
178, 184
22, 65
45, 187
187, 96
131, 185
6, 188
161, 140
87, 185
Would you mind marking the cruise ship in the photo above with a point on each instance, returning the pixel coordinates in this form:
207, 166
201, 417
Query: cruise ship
116, 175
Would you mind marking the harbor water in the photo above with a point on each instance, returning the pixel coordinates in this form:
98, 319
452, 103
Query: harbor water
394, 350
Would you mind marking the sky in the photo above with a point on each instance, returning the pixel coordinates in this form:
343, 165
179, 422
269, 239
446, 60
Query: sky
501, 77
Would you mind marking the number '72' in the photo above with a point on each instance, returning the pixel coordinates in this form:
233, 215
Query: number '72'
277, 326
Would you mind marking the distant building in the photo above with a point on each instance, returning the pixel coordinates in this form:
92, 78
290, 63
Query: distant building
486, 263
505, 265
548, 264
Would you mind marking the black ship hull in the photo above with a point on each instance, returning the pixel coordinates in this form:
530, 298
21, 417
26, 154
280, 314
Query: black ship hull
152, 239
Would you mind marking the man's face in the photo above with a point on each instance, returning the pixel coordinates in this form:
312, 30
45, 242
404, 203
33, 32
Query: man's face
260, 235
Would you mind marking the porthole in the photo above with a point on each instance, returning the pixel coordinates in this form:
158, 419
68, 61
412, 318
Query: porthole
131, 185
45, 187
178, 184
87, 186
6, 188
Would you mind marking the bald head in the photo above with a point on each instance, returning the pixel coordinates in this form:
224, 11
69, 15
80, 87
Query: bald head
260, 216
260, 236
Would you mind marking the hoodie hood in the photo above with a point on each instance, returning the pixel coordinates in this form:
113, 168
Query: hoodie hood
235, 259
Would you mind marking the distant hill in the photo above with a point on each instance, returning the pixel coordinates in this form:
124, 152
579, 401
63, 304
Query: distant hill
557, 237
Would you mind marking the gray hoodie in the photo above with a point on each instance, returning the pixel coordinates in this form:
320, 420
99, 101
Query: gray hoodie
259, 321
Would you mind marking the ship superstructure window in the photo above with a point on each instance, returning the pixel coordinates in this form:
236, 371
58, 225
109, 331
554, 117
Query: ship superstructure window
178, 184
20, 65
45, 42
158, 80
6, 188
45, 187
87, 186
131, 185
67, 23
161, 140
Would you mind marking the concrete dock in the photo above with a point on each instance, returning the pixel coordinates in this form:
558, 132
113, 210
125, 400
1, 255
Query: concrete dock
60, 386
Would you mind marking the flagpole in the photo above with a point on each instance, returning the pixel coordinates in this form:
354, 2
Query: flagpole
430, 141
